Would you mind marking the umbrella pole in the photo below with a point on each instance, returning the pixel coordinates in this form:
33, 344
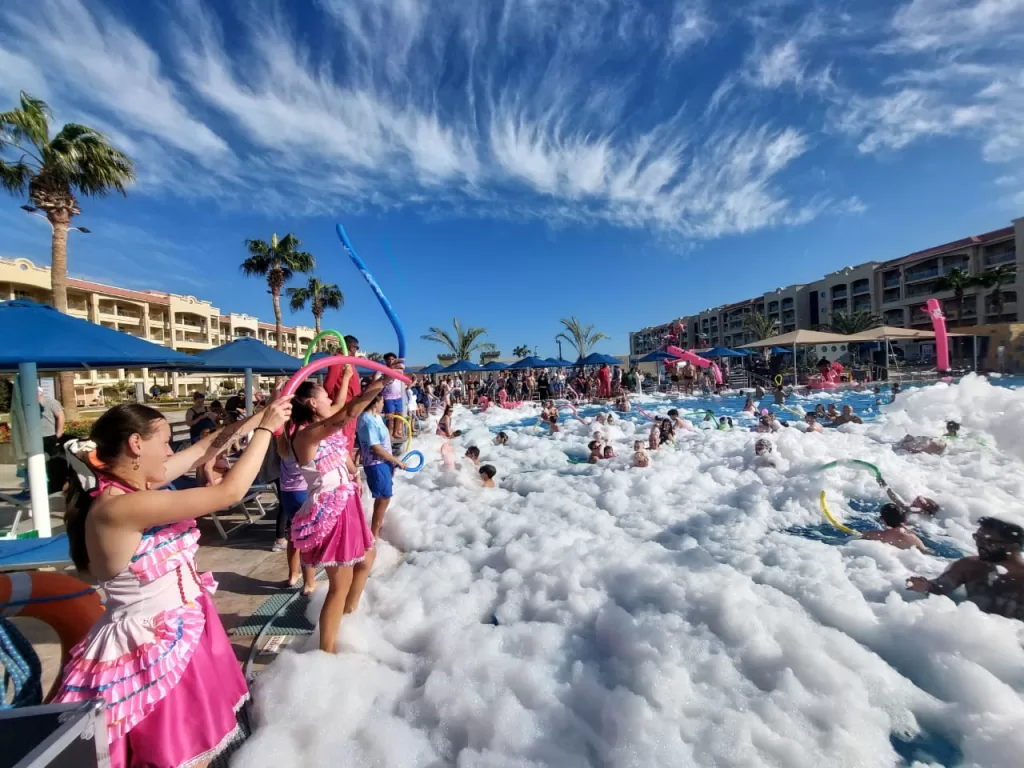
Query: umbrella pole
248, 391
37, 485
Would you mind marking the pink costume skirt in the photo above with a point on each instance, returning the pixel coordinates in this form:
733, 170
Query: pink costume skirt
201, 717
340, 538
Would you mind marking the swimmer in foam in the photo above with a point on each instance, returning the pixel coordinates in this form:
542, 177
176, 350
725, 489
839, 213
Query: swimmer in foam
654, 438
680, 423
622, 404
994, 579
640, 457
552, 424
847, 417
934, 446
596, 452
895, 533
609, 452
487, 473
501, 439
473, 454
748, 406
764, 452
811, 420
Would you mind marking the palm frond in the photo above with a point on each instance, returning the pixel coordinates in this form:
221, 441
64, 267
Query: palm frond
298, 298
463, 343
15, 177
30, 121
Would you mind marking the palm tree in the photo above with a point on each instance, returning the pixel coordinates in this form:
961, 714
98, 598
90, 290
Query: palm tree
463, 344
376, 357
583, 338
76, 161
760, 327
855, 323
957, 281
276, 262
521, 351
997, 277
320, 296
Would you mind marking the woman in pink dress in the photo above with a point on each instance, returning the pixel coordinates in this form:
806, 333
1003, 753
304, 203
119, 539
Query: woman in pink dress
159, 656
330, 529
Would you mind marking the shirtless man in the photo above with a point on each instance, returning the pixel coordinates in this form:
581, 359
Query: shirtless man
812, 423
847, 417
994, 580
895, 533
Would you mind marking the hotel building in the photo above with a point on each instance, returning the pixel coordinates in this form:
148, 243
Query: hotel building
183, 323
895, 290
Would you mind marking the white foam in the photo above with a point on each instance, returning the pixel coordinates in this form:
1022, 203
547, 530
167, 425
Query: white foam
664, 616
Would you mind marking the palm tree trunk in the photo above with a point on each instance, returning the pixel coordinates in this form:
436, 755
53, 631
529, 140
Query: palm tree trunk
316, 325
277, 320
59, 221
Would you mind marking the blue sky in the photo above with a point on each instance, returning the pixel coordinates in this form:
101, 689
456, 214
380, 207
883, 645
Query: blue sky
513, 162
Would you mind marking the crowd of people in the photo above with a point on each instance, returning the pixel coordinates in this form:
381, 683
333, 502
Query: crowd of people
132, 527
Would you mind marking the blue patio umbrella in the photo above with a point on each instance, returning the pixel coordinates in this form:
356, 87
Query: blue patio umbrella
657, 356
528, 362
432, 368
38, 337
494, 365
461, 366
553, 363
247, 356
781, 351
720, 352
596, 358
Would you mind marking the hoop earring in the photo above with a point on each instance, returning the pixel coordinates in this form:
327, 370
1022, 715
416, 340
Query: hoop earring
136, 463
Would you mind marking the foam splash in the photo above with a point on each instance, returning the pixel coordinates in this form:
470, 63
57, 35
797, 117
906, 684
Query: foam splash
601, 615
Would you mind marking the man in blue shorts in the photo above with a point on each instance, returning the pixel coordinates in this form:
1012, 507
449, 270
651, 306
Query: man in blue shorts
378, 462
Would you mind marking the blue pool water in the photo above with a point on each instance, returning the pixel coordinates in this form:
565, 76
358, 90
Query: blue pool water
693, 408
862, 515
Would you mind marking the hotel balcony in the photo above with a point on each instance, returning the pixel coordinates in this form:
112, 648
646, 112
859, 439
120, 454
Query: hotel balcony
891, 281
1002, 257
861, 287
862, 306
892, 296
922, 274
839, 292
194, 340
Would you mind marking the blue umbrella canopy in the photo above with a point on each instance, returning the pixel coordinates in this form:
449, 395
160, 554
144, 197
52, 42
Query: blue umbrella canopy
37, 333
433, 368
494, 365
720, 352
461, 366
247, 354
553, 363
596, 358
528, 362
781, 351
658, 356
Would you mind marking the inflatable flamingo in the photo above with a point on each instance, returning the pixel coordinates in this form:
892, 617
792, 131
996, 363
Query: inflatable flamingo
505, 402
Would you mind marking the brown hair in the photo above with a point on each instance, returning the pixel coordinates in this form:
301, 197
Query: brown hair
110, 433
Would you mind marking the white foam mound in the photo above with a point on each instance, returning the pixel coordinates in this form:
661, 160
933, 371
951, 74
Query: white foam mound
607, 616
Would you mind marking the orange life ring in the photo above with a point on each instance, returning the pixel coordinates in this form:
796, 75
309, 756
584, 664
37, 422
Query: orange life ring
68, 605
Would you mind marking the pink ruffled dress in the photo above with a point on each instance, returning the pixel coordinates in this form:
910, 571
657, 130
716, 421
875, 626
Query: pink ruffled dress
330, 529
160, 658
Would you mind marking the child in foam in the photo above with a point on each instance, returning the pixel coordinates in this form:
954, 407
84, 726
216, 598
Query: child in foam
330, 529
159, 656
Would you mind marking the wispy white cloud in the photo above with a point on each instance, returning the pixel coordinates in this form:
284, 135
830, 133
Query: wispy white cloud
92, 58
690, 25
567, 111
933, 25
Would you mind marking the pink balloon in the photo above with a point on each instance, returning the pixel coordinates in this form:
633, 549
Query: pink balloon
317, 365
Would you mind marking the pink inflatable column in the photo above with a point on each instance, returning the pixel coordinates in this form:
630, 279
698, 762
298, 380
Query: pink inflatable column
941, 338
